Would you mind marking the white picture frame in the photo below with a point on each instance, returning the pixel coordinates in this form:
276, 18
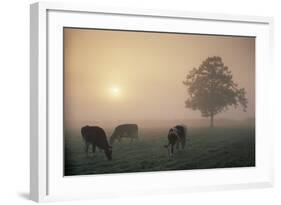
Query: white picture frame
47, 182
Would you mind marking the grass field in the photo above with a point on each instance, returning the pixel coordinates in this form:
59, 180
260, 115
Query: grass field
206, 148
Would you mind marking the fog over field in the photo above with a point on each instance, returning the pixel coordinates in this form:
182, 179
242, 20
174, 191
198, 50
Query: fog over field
123, 77
112, 77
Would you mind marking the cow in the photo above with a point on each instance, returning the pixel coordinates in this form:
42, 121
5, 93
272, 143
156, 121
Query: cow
124, 131
176, 136
95, 136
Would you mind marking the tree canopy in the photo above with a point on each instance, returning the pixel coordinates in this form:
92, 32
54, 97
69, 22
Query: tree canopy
212, 90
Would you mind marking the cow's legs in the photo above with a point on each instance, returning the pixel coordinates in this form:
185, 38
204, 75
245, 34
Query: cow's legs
86, 148
177, 145
170, 151
93, 148
183, 143
133, 138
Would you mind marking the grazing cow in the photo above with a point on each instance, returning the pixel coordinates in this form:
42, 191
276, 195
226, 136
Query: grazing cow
96, 137
124, 131
176, 136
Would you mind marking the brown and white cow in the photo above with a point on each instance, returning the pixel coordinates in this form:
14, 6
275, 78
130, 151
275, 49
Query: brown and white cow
176, 137
96, 137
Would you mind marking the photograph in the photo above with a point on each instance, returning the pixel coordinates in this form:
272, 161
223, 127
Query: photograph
148, 101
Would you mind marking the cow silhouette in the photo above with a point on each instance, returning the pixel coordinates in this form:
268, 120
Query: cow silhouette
176, 137
124, 131
95, 136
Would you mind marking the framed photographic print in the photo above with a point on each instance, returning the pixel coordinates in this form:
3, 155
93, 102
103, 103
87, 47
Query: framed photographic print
127, 102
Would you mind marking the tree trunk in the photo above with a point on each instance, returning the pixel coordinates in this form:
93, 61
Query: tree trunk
212, 121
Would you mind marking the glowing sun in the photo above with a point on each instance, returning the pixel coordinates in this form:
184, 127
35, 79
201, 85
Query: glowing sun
115, 91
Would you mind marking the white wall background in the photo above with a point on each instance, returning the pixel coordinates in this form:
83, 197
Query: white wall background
14, 101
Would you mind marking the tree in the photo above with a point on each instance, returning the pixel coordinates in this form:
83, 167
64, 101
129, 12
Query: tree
211, 89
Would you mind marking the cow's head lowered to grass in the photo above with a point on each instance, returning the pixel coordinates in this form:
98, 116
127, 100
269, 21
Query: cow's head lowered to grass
95, 136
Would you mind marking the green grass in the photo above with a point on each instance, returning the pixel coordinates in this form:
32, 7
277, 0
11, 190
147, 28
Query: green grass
206, 148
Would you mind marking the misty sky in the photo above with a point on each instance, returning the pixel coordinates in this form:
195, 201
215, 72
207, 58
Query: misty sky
120, 75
